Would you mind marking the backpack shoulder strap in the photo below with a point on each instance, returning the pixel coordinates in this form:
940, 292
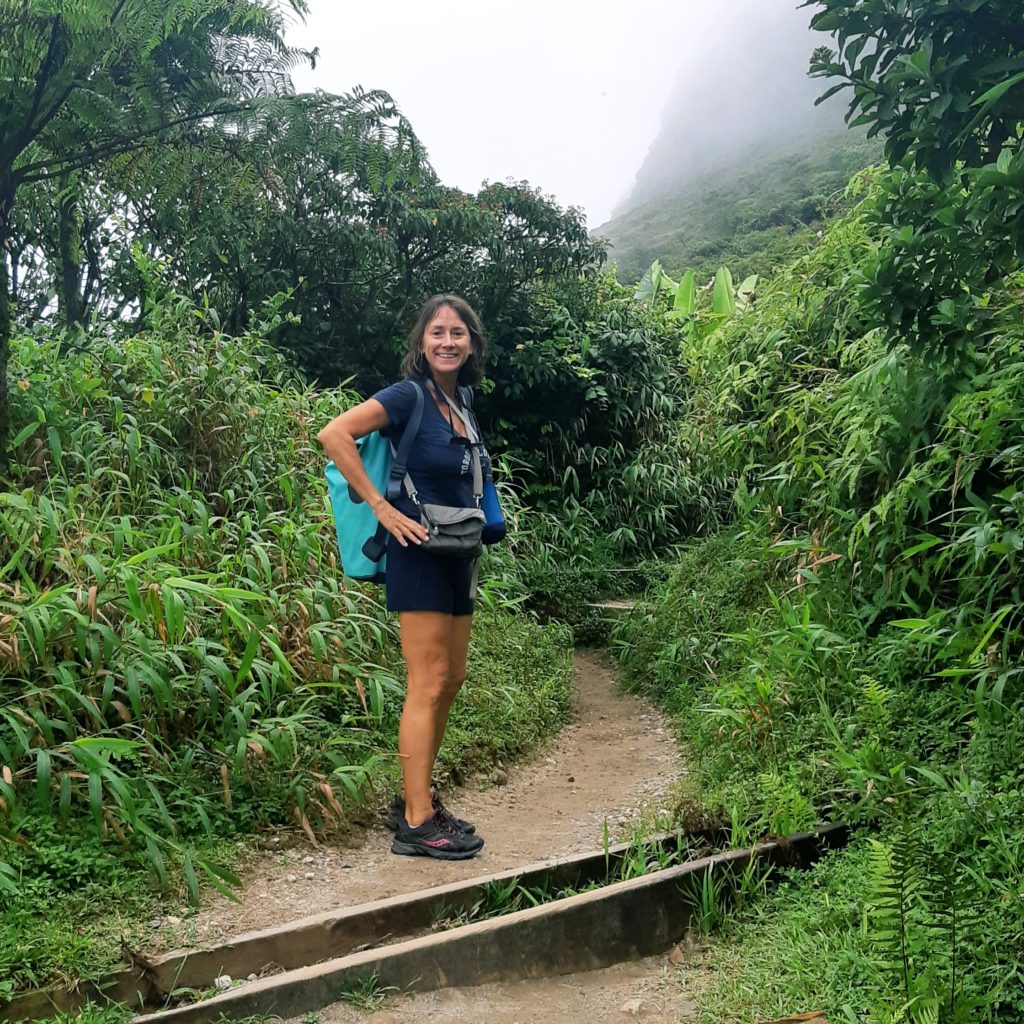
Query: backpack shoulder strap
400, 465
376, 545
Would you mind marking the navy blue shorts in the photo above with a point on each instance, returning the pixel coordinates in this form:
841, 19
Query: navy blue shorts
417, 581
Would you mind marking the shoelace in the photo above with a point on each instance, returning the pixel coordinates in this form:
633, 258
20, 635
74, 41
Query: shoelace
444, 817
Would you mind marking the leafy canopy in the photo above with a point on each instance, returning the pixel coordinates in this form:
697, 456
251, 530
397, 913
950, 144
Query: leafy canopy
84, 79
943, 80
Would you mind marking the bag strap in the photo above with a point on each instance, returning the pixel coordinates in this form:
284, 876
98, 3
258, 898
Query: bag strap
376, 544
466, 393
399, 468
472, 432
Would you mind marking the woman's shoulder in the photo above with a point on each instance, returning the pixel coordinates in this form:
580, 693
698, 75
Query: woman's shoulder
405, 388
399, 399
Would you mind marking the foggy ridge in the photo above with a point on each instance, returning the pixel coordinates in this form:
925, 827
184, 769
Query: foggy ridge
742, 88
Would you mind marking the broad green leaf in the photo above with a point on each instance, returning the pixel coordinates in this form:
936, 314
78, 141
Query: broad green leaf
107, 745
686, 294
647, 289
996, 93
723, 298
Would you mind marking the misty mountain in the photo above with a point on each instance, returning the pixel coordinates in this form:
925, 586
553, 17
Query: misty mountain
740, 127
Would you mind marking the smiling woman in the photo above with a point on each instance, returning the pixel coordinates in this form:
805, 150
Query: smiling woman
432, 592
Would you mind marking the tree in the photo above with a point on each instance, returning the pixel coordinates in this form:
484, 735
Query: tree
942, 80
333, 200
87, 80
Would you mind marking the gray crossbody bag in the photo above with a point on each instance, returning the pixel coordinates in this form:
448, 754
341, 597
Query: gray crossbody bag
453, 531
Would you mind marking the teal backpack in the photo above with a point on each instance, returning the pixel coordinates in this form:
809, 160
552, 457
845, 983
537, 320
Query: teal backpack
361, 539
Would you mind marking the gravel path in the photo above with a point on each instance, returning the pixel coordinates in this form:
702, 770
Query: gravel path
615, 761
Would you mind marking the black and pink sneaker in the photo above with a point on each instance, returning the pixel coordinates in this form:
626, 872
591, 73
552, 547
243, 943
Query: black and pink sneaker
436, 837
396, 811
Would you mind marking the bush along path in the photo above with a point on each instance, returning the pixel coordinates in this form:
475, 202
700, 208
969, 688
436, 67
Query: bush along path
614, 762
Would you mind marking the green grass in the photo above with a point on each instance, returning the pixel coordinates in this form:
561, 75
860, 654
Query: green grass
799, 949
92, 1014
366, 994
83, 897
517, 692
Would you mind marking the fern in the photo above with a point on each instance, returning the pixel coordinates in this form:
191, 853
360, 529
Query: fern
894, 897
919, 904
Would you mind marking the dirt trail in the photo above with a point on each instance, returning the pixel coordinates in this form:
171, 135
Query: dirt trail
615, 760
646, 991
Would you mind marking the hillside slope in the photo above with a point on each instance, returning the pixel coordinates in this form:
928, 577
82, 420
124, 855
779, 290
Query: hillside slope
757, 212
745, 163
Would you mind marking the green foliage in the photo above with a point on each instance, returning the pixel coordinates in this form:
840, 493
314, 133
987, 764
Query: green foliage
881, 932
585, 404
942, 82
81, 895
861, 424
172, 551
179, 653
755, 215
517, 692
799, 949
332, 199
93, 1014
367, 994
687, 624
86, 81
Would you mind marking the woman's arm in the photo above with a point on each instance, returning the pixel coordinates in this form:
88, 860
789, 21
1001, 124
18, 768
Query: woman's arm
339, 441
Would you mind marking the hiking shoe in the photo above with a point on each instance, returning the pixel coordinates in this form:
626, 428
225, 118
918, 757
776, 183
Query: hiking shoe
434, 838
396, 812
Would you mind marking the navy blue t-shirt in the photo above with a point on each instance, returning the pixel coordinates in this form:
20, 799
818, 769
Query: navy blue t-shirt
441, 469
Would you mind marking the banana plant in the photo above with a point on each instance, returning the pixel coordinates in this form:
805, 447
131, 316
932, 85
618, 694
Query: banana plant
727, 300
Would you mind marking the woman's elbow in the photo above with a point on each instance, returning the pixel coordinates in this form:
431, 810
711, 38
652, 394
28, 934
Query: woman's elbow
331, 434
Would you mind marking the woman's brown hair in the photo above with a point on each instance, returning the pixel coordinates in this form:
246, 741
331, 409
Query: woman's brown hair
472, 370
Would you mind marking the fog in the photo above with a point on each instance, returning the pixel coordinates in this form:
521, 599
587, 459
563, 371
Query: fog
571, 95
742, 91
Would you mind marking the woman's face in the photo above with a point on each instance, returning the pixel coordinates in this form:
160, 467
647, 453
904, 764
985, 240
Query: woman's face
447, 343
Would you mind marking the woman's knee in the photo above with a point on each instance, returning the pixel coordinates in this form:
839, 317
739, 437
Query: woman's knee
431, 688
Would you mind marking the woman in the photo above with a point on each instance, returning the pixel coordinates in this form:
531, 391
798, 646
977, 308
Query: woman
432, 594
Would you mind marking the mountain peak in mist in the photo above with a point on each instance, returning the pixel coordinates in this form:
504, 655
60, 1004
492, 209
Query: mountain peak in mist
742, 87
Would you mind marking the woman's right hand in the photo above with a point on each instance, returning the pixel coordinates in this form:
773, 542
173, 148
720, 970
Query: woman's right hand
400, 526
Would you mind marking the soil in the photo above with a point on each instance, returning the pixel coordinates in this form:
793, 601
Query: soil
646, 991
616, 761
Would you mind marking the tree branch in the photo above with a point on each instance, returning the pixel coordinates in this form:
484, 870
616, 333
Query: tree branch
23, 139
44, 170
44, 71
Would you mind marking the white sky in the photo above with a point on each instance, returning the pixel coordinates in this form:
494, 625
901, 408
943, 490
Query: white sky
567, 94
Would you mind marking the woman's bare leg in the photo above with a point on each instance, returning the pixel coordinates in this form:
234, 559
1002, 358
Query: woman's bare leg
434, 645
458, 652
